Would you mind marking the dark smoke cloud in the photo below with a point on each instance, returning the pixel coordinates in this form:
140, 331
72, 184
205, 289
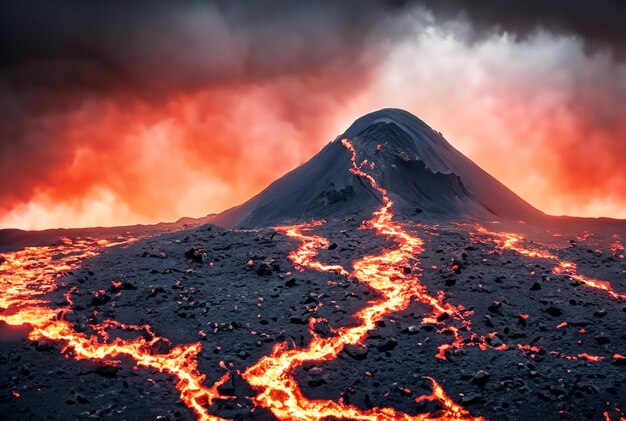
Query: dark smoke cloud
151, 47
77, 77
59, 56
600, 24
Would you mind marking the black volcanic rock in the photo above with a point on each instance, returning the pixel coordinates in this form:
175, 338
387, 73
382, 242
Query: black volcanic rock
43, 345
554, 311
264, 270
356, 351
99, 299
600, 313
602, 339
323, 329
481, 377
105, 370
387, 344
196, 254
472, 398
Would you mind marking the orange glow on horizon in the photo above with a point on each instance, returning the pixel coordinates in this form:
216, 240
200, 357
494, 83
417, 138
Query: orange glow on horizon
188, 158
542, 122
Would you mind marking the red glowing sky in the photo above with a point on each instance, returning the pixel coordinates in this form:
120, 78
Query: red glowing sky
543, 113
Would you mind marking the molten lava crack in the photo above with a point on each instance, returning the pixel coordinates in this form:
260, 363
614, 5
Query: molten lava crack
514, 242
28, 274
272, 375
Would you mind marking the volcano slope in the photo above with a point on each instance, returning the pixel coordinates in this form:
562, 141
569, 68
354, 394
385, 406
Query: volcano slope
424, 175
457, 311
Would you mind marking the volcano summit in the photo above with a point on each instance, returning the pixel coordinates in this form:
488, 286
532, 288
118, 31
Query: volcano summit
388, 278
424, 175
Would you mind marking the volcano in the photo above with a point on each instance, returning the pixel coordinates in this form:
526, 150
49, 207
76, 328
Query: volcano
424, 175
388, 278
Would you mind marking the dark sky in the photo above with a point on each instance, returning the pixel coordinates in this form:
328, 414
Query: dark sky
100, 99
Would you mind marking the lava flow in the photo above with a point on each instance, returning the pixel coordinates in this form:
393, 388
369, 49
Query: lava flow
512, 241
393, 275
272, 376
310, 244
27, 275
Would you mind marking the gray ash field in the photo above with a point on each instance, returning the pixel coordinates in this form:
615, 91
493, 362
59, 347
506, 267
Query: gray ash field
508, 320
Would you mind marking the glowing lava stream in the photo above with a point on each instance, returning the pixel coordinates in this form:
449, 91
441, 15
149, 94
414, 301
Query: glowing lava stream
512, 241
272, 376
26, 275
305, 255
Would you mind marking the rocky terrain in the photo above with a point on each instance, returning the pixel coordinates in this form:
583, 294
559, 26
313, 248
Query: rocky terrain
239, 312
381, 311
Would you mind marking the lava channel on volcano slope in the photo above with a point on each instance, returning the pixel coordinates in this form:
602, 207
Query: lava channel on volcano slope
279, 391
31, 273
